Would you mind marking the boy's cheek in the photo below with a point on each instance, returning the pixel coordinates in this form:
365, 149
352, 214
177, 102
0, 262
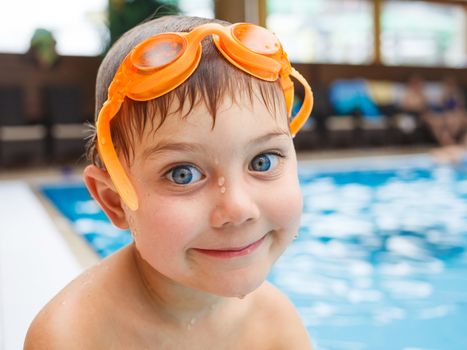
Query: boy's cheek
172, 219
286, 208
162, 234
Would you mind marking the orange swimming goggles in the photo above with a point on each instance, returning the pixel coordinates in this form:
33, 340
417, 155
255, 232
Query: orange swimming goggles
162, 62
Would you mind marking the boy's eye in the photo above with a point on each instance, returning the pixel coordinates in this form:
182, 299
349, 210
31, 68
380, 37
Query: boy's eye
184, 174
264, 162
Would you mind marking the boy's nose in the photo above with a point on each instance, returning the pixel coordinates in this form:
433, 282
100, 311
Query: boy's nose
234, 207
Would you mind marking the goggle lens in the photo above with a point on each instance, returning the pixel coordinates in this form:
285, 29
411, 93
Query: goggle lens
159, 52
256, 39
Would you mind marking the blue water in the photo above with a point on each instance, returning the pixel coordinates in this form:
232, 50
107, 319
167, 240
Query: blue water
381, 259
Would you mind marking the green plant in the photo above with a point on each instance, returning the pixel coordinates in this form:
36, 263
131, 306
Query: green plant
125, 14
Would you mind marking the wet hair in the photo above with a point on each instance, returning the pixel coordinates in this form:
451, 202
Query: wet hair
213, 80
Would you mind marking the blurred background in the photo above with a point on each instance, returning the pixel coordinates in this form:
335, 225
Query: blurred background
381, 261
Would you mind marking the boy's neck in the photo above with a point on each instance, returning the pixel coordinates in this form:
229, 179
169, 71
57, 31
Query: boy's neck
175, 302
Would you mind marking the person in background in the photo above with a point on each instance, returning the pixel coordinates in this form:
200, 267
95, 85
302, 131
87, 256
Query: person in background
413, 105
414, 101
42, 49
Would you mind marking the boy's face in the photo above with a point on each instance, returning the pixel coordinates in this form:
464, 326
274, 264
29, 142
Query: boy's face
217, 206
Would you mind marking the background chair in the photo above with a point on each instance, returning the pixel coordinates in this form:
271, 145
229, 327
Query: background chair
63, 109
314, 135
21, 142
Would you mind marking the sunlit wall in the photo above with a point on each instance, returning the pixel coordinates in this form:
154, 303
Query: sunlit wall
78, 26
418, 33
332, 31
312, 31
342, 31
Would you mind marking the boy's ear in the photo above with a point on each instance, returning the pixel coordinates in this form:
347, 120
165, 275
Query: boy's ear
102, 190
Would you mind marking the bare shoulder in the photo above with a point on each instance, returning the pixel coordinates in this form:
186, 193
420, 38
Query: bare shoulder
64, 323
280, 319
60, 327
78, 316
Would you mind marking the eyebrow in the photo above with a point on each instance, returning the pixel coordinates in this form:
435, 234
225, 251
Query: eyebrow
197, 147
270, 135
172, 146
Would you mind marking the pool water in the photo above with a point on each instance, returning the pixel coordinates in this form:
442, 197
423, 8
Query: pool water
381, 259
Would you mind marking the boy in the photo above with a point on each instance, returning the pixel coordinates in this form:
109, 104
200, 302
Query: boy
203, 172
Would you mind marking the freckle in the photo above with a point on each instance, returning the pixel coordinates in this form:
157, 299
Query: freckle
221, 181
222, 189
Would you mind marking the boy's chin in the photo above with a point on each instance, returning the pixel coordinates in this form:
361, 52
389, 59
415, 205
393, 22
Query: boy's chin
235, 287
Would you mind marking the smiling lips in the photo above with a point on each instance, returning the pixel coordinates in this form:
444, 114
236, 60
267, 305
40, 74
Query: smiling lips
232, 252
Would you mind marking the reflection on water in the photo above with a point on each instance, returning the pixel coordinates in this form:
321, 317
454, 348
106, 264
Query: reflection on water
87, 218
380, 262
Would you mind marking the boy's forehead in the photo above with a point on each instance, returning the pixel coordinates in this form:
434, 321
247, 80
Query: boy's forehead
184, 116
242, 97
241, 120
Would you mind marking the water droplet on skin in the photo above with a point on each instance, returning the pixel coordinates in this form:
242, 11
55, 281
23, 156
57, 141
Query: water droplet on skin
221, 181
222, 189
131, 223
191, 323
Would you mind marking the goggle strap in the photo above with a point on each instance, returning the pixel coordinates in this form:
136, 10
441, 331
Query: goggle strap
307, 105
109, 157
288, 90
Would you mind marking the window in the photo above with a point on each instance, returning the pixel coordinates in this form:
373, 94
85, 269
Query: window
200, 8
78, 26
333, 31
421, 33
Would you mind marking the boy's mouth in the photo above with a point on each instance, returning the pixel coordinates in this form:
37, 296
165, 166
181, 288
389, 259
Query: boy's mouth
232, 252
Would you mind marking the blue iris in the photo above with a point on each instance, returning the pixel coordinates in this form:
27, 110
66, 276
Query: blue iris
184, 174
264, 162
